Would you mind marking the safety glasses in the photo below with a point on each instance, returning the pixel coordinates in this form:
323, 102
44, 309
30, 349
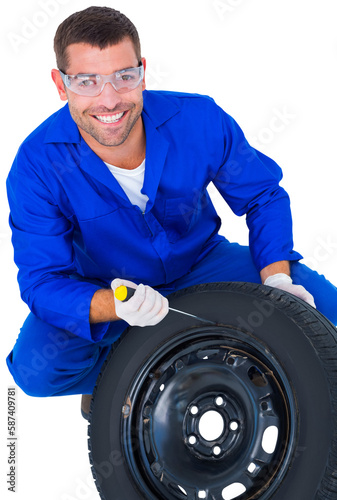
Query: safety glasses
92, 85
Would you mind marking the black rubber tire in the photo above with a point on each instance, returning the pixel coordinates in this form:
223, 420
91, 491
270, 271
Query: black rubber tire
286, 335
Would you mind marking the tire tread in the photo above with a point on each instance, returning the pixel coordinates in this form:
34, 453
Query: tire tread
323, 340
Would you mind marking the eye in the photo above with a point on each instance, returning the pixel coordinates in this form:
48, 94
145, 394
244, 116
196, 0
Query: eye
126, 75
86, 81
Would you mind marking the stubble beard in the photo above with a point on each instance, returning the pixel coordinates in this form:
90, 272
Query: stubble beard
112, 137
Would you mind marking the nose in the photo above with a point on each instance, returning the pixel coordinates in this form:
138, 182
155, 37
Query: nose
109, 97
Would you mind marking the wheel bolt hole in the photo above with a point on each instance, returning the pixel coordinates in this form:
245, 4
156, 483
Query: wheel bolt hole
233, 425
219, 401
230, 361
202, 494
192, 440
264, 406
194, 410
216, 450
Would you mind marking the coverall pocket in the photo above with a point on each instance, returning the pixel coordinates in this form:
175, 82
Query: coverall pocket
180, 214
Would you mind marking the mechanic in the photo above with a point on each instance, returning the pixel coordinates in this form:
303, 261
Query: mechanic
112, 189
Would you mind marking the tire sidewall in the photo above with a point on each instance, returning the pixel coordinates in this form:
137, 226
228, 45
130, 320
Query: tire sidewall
282, 327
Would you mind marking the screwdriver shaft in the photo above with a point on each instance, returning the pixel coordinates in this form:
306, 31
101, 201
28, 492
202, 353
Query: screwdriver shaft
125, 293
193, 316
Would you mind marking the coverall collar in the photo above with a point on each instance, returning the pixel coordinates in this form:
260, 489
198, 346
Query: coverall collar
157, 110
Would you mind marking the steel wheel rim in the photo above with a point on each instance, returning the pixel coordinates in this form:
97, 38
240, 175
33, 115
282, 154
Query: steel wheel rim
222, 370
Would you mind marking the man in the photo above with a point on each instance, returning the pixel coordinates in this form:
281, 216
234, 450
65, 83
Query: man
111, 190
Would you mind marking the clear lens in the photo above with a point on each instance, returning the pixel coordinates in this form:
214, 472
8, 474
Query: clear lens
84, 84
92, 85
126, 80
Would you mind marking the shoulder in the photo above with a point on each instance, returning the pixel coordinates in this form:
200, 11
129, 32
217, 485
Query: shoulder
36, 152
55, 132
39, 133
161, 105
57, 128
178, 98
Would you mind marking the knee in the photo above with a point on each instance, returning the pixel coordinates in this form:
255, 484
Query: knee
32, 374
323, 291
36, 359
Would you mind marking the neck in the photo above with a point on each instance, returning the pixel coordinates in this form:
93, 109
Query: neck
128, 155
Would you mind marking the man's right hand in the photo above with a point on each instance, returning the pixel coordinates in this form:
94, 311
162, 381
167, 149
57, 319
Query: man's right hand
146, 307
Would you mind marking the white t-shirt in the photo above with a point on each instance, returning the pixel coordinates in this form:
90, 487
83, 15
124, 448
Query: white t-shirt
131, 181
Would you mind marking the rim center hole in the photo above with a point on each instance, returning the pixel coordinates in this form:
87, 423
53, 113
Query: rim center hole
211, 425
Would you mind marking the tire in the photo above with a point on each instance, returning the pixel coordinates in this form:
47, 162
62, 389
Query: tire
268, 368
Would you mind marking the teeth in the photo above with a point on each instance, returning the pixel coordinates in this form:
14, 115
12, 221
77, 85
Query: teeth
110, 118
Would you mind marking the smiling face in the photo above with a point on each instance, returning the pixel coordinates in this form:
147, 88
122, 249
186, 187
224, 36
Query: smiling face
110, 119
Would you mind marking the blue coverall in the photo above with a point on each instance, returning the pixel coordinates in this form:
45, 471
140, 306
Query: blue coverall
75, 230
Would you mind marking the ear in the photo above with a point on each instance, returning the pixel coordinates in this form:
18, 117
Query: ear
144, 64
57, 79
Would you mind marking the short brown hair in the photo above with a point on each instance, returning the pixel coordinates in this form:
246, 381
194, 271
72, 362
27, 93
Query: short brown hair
97, 26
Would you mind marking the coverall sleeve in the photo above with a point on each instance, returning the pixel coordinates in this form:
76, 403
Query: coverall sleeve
249, 182
43, 252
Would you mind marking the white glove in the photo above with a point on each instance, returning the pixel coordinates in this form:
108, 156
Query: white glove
284, 282
146, 307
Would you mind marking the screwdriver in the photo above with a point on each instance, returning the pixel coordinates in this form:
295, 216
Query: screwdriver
124, 293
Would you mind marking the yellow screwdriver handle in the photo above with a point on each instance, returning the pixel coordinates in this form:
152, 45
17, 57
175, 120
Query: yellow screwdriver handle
124, 293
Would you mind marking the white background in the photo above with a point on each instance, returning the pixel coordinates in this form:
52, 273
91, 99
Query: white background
257, 59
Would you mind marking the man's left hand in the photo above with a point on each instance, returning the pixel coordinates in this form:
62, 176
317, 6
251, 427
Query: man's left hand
284, 282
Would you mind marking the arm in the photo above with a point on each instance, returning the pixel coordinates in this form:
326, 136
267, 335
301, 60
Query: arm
43, 250
275, 268
278, 275
249, 182
146, 307
102, 307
